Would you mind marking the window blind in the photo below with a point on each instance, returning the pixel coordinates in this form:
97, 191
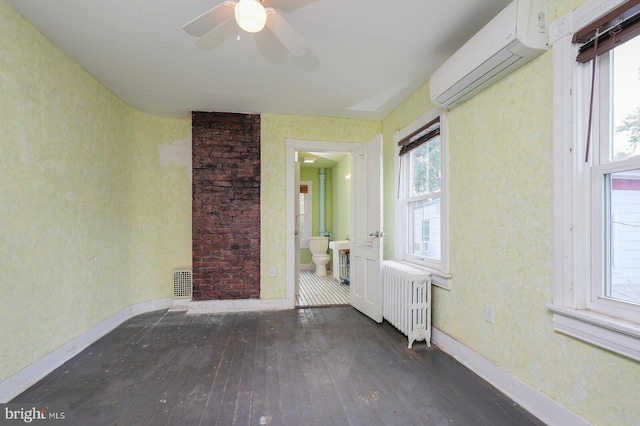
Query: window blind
420, 136
599, 37
619, 26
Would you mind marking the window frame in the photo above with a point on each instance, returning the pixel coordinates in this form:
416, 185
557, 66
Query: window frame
440, 270
304, 243
576, 237
595, 301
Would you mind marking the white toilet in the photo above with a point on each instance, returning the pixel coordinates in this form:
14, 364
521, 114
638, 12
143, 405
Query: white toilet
318, 247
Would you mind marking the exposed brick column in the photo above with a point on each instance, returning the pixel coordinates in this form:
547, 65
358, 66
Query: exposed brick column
226, 206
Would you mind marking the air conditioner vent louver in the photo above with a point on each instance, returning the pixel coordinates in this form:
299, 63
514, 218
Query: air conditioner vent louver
182, 283
511, 39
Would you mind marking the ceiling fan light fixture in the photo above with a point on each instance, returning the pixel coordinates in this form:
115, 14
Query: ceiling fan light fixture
251, 16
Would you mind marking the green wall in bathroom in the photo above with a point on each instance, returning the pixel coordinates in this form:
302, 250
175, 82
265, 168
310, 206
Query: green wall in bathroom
311, 174
337, 203
341, 200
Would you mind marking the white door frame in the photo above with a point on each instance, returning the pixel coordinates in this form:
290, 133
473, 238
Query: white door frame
294, 145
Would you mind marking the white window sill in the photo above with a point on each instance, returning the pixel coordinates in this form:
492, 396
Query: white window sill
616, 335
438, 278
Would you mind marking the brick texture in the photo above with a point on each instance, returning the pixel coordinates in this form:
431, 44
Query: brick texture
226, 206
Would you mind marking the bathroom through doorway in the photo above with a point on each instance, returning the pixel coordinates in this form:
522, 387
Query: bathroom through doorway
323, 217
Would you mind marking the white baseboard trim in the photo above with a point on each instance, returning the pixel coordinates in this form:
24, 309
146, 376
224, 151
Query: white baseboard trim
532, 400
180, 305
21, 381
306, 266
238, 305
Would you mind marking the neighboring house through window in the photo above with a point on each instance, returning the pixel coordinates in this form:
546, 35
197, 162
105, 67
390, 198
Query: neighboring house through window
597, 175
421, 208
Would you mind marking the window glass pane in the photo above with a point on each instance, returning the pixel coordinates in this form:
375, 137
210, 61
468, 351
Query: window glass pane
302, 218
622, 236
424, 228
626, 99
425, 168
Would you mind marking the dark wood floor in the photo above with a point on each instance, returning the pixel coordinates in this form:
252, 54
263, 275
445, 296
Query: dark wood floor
314, 366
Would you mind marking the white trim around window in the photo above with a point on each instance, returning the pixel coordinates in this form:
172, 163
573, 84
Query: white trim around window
441, 275
573, 312
308, 218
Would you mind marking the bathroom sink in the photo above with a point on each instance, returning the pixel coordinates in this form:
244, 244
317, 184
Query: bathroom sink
339, 245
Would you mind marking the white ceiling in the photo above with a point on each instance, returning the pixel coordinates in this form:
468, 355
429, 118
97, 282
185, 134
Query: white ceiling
365, 56
326, 160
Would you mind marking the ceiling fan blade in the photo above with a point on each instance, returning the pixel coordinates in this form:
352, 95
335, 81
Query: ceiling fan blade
285, 33
288, 5
218, 35
210, 19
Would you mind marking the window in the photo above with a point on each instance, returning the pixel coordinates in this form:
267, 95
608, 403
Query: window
615, 170
597, 175
621, 237
304, 218
422, 222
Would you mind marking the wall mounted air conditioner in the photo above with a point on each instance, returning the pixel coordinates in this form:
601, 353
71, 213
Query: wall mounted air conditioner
511, 39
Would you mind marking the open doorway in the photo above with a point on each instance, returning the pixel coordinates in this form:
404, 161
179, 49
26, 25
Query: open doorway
323, 228
321, 214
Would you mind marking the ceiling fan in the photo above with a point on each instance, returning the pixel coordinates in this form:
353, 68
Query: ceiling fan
251, 16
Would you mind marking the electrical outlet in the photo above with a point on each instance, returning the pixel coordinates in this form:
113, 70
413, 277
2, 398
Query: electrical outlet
489, 313
272, 271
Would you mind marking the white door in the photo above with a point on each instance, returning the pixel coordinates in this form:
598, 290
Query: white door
366, 228
297, 229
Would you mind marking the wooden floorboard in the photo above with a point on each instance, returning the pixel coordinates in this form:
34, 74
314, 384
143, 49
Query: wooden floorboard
313, 366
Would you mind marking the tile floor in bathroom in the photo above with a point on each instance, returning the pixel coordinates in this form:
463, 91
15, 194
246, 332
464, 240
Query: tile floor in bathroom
321, 291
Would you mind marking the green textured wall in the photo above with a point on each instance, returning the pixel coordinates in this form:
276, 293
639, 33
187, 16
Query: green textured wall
341, 207
91, 221
159, 197
500, 158
502, 251
410, 110
95, 208
276, 129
